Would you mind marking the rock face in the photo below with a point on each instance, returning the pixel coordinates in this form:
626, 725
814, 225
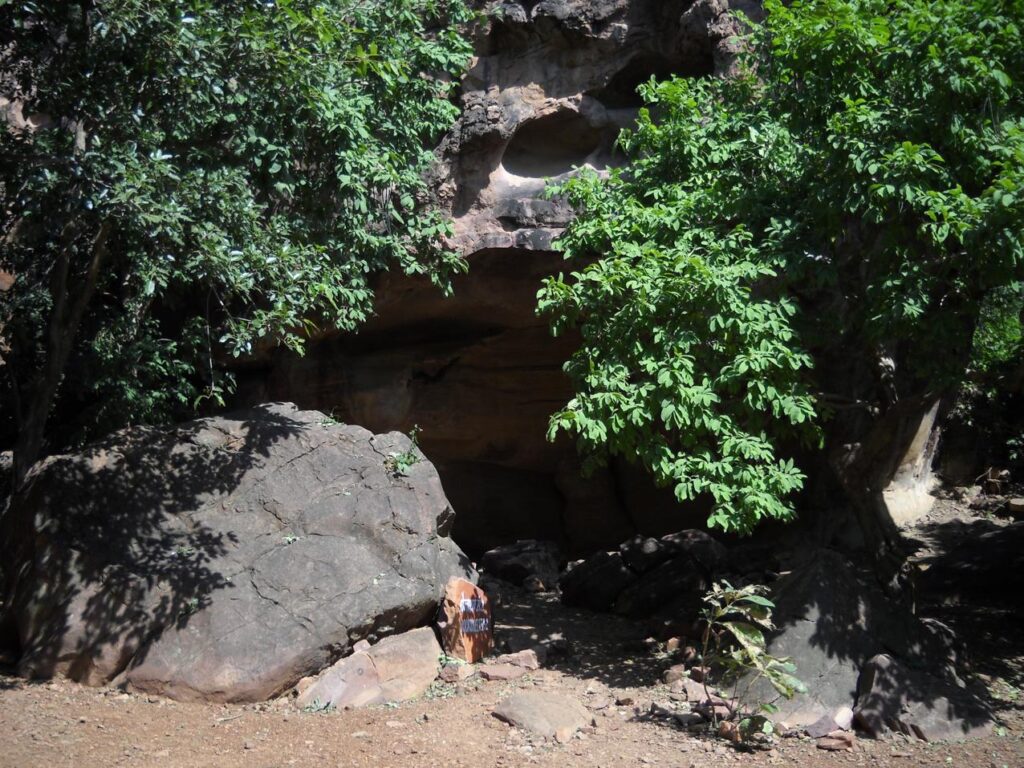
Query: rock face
226, 558
551, 86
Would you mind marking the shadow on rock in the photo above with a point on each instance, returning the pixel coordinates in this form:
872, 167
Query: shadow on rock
224, 558
853, 644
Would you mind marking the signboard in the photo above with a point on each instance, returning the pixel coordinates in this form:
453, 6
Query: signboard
465, 621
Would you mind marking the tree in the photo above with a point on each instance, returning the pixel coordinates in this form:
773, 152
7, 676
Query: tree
189, 178
799, 250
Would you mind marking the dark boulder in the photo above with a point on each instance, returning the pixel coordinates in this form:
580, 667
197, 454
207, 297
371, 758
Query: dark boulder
643, 553
647, 576
524, 560
225, 558
596, 582
677, 585
984, 560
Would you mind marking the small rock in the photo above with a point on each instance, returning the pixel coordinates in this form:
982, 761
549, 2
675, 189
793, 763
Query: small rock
690, 689
837, 741
659, 709
674, 673
689, 719
501, 672
527, 659
533, 583
563, 735
823, 726
249, 745
624, 701
729, 732
544, 714
843, 718
457, 673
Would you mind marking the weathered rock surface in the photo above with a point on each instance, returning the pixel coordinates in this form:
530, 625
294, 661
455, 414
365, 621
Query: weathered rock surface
545, 714
550, 87
397, 668
225, 558
501, 672
891, 696
646, 576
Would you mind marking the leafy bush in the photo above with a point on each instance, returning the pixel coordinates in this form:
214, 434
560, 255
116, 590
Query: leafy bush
734, 644
816, 233
199, 178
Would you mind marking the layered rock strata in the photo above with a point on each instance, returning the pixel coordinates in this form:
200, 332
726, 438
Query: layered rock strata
550, 88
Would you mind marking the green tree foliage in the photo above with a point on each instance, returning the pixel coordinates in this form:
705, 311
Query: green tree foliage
857, 188
203, 176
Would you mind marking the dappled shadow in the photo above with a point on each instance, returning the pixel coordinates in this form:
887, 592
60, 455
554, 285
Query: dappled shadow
103, 548
834, 618
581, 643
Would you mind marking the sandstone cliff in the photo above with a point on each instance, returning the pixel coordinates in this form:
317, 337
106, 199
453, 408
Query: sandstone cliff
552, 84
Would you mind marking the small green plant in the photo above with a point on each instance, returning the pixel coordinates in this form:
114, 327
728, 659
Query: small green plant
736, 620
290, 539
318, 706
440, 690
399, 464
190, 607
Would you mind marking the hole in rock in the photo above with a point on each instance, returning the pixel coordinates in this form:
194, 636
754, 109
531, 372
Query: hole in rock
551, 145
620, 92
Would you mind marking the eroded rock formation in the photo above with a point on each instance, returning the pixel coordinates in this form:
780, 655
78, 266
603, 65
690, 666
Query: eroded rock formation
551, 86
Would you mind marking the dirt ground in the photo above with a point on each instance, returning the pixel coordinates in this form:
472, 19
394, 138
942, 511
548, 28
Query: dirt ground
58, 723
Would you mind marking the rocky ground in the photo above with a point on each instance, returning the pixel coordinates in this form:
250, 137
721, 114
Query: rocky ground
598, 660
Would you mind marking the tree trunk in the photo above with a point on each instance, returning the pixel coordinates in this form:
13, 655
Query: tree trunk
866, 468
68, 307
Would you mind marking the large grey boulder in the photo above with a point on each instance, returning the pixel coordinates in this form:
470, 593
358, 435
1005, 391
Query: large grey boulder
834, 621
226, 558
518, 562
